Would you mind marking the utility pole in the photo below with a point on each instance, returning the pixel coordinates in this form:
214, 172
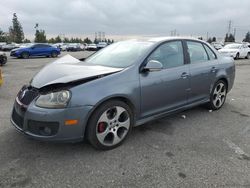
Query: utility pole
229, 27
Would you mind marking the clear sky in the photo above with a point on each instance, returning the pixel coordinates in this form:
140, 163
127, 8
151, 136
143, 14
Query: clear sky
122, 19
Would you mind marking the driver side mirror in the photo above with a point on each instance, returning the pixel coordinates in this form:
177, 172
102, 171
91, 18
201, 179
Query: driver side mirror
153, 65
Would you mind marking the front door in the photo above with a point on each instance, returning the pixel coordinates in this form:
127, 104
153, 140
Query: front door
167, 89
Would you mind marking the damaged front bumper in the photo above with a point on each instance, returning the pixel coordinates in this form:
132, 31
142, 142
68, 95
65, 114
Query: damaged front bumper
49, 124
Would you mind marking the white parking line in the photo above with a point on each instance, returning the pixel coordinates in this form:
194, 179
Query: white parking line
237, 149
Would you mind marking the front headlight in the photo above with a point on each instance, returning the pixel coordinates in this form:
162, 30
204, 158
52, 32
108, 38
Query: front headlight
58, 99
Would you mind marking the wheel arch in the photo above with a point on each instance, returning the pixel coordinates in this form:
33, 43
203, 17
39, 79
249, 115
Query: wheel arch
223, 78
124, 99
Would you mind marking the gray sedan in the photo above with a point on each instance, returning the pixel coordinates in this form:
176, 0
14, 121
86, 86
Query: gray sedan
126, 84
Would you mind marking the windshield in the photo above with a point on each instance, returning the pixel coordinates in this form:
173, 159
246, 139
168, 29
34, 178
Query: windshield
120, 54
233, 46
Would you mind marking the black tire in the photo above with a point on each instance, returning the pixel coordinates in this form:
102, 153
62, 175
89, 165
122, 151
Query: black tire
248, 55
3, 60
25, 55
92, 127
212, 105
54, 54
237, 56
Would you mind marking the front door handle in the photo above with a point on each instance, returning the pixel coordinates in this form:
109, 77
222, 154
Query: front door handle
184, 75
213, 69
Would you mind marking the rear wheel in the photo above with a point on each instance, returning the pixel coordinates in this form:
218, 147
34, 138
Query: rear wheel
248, 55
3, 60
25, 55
237, 56
218, 95
109, 125
54, 54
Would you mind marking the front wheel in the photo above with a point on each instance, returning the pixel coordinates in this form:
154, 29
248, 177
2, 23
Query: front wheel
218, 95
25, 55
54, 54
109, 125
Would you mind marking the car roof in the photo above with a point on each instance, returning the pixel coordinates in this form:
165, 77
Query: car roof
161, 39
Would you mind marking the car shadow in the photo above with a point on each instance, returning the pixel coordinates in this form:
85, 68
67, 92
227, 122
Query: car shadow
165, 125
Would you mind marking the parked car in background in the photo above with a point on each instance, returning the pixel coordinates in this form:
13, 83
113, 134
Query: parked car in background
92, 47
217, 45
2, 44
236, 50
63, 47
73, 47
35, 50
24, 45
126, 84
247, 43
3, 59
101, 45
1, 77
9, 47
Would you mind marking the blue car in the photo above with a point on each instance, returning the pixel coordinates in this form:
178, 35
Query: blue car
35, 50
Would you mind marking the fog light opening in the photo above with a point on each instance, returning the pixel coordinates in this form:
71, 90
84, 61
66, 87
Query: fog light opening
45, 131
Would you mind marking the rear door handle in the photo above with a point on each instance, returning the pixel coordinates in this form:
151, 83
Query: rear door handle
213, 69
184, 75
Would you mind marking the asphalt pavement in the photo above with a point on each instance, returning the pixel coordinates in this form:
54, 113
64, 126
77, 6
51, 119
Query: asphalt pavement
194, 148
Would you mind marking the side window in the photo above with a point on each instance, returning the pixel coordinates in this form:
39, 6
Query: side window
196, 52
210, 53
38, 46
170, 54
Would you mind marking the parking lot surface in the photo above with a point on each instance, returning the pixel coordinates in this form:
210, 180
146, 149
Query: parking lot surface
195, 148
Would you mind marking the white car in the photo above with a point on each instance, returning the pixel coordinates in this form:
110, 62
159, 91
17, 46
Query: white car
101, 45
217, 45
92, 47
236, 50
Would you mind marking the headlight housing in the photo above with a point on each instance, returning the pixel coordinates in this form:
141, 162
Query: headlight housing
58, 99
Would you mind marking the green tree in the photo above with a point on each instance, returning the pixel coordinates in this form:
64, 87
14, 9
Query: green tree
87, 40
96, 41
200, 38
66, 40
40, 36
16, 30
209, 40
214, 39
226, 38
26, 41
229, 38
58, 39
51, 40
3, 36
247, 37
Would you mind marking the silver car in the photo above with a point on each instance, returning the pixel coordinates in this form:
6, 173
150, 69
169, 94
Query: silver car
126, 84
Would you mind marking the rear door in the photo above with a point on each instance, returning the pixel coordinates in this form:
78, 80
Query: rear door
203, 68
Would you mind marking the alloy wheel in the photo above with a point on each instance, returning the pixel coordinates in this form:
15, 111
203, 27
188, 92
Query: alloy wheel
219, 95
113, 126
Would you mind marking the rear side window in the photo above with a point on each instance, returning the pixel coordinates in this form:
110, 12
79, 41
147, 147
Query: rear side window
196, 52
170, 54
210, 53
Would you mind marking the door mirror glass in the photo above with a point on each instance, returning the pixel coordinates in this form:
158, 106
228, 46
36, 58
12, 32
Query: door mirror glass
153, 65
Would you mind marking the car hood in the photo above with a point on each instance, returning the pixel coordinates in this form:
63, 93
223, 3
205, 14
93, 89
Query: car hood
67, 70
228, 50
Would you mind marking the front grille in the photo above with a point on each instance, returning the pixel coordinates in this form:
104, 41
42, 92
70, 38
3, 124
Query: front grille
43, 128
18, 120
27, 94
